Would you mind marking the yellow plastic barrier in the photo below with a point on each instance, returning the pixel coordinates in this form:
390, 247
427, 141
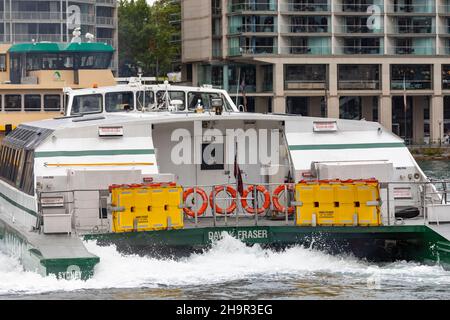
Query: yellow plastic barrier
305, 194
146, 207
338, 203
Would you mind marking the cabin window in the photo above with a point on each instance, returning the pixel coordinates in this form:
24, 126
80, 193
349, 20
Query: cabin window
91, 103
149, 99
119, 101
52, 102
32, 102
13, 102
98, 60
16, 167
173, 95
204, 97
2, 62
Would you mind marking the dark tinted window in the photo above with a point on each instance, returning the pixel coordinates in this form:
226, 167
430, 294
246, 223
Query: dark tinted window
13, 102
119, 101
91, 103
52, 102
32, 102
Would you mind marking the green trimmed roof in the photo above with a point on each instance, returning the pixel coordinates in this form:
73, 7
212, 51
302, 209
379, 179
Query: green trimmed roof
55, 47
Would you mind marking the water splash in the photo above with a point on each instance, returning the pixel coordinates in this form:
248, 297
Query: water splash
228, 260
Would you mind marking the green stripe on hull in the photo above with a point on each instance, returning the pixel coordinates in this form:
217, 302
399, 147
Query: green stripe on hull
347, 146
81, 153
17, 205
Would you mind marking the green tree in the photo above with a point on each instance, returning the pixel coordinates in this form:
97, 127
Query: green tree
145, 37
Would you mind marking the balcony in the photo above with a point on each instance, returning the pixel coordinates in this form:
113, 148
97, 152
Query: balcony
358, 28
34, 15
36, 37
305, 28
364, 50
425, 7
306, 50
419, 28
411, 84
414, 50
108, 2
359, 85
306, 6
252, 50
259, 6
253, 28
357, 7
106, 21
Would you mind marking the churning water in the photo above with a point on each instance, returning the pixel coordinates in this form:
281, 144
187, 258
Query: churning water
231, 270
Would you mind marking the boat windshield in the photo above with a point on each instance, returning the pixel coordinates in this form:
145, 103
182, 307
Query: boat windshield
91, 103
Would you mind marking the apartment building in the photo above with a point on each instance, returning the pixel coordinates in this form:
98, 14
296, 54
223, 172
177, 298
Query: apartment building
353, 59
46, 20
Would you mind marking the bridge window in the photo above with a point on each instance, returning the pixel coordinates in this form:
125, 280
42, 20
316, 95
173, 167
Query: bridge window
204, 97
52, 102
32, 102
119, 101
91, 103
173, 95
13, 102
147, 102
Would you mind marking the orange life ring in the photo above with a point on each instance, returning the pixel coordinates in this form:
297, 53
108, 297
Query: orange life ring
244, 199
231, 191
276, 201
202, 193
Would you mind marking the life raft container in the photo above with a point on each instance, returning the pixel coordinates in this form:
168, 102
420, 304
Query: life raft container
231, 191
204, 197
244, 200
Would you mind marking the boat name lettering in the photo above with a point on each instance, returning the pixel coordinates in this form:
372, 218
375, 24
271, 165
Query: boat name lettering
240, 234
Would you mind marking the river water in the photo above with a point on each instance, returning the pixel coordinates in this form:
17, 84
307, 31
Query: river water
231, 270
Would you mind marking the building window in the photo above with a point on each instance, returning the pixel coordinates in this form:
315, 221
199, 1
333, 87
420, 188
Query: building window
52, 102
297, 105
350, 108
359, 77
305, 77
446, 76
13, 102
411, 77
2, 62
32, 102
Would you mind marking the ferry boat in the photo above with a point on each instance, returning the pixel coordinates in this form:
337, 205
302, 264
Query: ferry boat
162, 169
34, 75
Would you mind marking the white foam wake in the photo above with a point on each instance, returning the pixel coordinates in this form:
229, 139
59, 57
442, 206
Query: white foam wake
228, 260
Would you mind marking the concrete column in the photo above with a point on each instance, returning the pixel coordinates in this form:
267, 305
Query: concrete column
279, 100
259, 78
314, 107
261, 104
419, 104
195, 74
386, 79
367, 108
225, 78
436, 119
333, 107
385, 112
332, 78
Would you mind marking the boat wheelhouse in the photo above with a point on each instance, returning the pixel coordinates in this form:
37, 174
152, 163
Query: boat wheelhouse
34, 75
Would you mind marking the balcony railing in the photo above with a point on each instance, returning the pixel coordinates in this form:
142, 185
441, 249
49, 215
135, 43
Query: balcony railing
255, 50
351, 7
305, 7
33, 15
253, 28
360, 50
411, 84
253, 6
105, 21
444, 8
305, 84
306, 50
359, 84
426, 7
109, 41
305, 28
112, 2
362, 28
36, 37
415, 28
414, 50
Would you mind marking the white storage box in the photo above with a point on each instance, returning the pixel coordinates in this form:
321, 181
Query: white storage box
57, 223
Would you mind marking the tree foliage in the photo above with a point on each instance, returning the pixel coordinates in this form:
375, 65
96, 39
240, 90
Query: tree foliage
145, 37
